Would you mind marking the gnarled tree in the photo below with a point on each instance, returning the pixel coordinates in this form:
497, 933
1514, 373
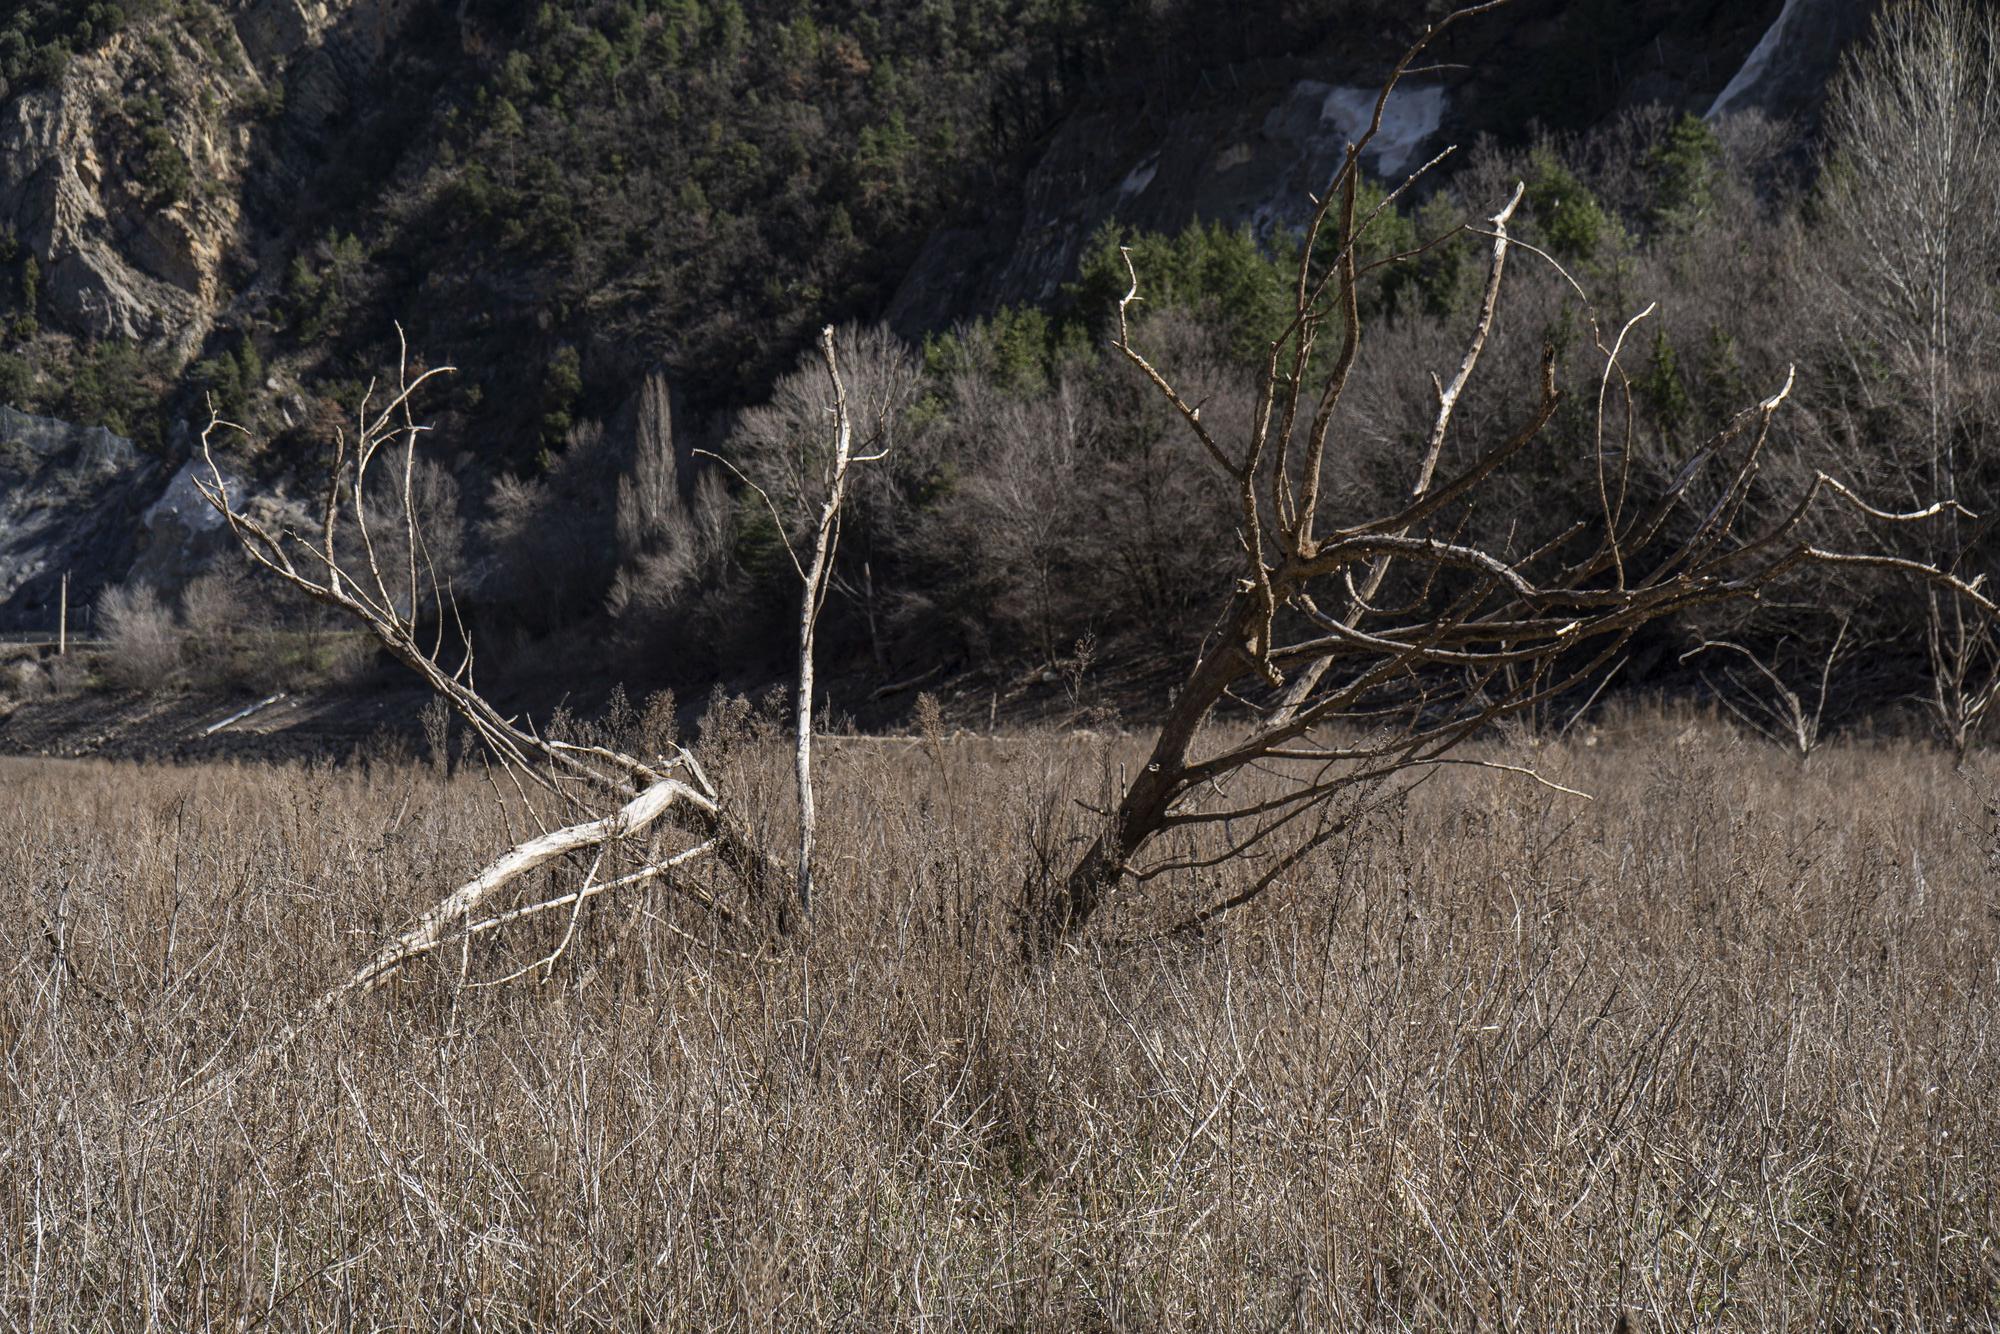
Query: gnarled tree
1369, 651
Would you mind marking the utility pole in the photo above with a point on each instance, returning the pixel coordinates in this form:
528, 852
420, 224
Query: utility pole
62, 619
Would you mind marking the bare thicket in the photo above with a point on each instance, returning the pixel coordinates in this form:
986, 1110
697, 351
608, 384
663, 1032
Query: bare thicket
216, 604
1371, 650
1023, 501
783, 449
1713, 1051
1910, 243
223, 628
427, 499
1074, 504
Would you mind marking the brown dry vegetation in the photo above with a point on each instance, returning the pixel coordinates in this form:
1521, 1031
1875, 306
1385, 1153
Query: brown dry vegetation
1714, 1050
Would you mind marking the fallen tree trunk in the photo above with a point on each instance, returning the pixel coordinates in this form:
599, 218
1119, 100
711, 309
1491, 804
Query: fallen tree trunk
431, 929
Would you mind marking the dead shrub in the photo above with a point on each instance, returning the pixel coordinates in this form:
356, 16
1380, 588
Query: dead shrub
23, 680
142, 641
218, 620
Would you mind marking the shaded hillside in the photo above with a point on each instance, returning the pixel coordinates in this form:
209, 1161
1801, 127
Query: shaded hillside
620, 220
241, 197
1245, 140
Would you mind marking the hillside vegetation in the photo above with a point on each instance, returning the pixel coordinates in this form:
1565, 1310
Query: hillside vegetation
562, 196
621, 221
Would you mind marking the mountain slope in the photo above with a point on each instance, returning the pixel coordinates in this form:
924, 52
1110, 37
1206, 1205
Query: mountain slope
242, 199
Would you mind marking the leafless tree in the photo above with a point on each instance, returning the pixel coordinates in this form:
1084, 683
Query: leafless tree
141, 634
650, 814
671, 538
1908, 252
220, 617
804, 445
649, 497
1025, 499
1381, 645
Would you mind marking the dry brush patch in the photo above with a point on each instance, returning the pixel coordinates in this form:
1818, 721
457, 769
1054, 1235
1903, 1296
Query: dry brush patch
1715, 1049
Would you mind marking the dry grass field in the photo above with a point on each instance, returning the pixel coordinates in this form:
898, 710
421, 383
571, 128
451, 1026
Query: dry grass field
1714, 1050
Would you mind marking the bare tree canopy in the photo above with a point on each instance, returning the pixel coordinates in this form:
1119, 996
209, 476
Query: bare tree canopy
1909, 255
1381, 645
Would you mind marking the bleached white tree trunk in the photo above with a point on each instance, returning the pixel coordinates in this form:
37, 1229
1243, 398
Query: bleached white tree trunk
818, 576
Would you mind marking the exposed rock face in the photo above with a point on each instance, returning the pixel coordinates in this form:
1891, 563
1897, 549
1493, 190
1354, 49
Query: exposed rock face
1787, 71
68, 499
82, 501
271, 30
180, 533
122, 257
87, 166
359, 31
126, 181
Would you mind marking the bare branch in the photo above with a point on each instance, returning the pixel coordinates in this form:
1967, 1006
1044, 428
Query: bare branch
430, 929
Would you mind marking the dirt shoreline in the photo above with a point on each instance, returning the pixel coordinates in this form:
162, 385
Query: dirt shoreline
134, 725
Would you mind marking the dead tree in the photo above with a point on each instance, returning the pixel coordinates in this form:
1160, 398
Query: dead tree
818, 492
816, 579
656, 813
1380, 646
819, 473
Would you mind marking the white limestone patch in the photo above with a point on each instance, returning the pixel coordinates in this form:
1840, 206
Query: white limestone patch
1758, 63
1138, 179
1412, 116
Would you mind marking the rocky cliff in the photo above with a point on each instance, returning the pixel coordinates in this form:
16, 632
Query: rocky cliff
121, 181
71, 500
125, 179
